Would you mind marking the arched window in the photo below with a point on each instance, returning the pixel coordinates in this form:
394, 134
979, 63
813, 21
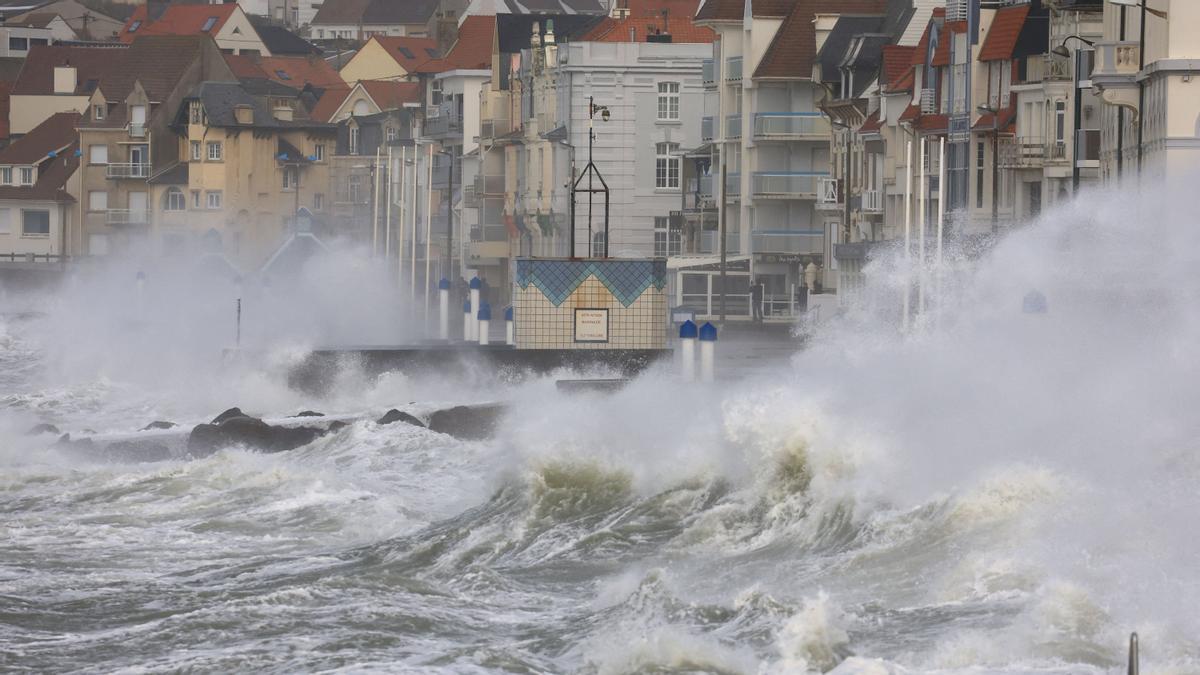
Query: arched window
360, 107
174, 200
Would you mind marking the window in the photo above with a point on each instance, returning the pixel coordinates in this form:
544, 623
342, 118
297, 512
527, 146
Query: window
195, 199
98, 111
667, 242
27, 175
38, 41
195, 113
282, 74
431, 52
979, 162
6, 175
318, 201
597, 245
319, 152
97, 154
353, 188
134, 26
320, 33
666, 166
214, 199
195, 146
361, 108
35, 223
391, 134
290, 178
354, 140
407, 53
668, 100
18, 44
214, 151
208, 24
98, 200
5, 221
1060, 121
435, 93
173, 200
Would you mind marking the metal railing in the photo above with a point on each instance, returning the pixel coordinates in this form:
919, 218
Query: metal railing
127, 170
733, 184
828, 192
137, 130
791, 125
706, 129
127, 216
733, 126
784, 241
708, 71
872, 201
788, 184
443, 125
733, 69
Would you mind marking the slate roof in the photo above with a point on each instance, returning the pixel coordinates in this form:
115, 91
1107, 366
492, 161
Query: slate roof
221, 98
279, 40
375, 12
563, 7
833, 52
91, 63
175, 174
32, 20
515, 30
56, 134
793, 50
732, 10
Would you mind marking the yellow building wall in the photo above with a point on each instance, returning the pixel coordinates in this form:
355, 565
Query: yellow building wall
372, 62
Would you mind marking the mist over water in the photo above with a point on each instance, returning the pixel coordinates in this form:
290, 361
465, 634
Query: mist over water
994, 491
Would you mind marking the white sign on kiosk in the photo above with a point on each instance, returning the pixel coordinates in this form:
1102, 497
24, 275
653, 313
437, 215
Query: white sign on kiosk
591, 325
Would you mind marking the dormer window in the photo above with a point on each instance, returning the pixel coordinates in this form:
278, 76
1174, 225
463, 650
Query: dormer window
208, 24
98, 111
5, 175
195, 113
407, 53
27, 175
134, 26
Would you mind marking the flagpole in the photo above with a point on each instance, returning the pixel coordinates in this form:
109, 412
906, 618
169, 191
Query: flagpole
921, 235
907, 229
941, 216
376, 175
428, 221
387, 218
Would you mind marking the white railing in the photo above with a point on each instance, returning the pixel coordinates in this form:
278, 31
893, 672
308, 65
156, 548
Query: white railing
127, 216
733, 126
733, 68
128, 170
708, 71
928, 101
872, 201
137, 130
768, 125
827, 192
804, 241
787, 184
706, 129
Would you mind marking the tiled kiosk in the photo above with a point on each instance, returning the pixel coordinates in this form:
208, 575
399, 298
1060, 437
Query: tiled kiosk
577, 303
593, 316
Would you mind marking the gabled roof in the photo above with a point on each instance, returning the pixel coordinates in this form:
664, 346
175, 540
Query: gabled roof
221, 99
390, 95
733, 10
514, 30
895, 66
472, 50
56, 134
290, 71
1016, 32
178, 19
90, 62
408, 52
636, 28
564, 7
794, 47
328, 104
375, 12
33, 20
279, 40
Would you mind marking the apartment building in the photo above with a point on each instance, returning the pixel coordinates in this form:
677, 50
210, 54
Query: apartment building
126, 134
1144, 72
38, 191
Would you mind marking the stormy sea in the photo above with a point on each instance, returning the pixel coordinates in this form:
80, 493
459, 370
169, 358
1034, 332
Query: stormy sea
991, 490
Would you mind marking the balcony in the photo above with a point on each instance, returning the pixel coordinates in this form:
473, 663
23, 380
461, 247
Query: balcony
710, 72
127, 216
787, 184
791, 126
489, 185
733, 185
829, 194
872, 201
733, 126
928, 101
127, 170
137, 130
787, 241
733, 69
1116, 66
469, 200
710, 243
445, 124
706, 129
1023, 152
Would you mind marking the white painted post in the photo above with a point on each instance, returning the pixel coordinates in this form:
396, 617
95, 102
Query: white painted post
908, 176
444, 309
467, 321
708, 345
921, 234
687, 351
941, 218
472, 318
485, 318
510, 332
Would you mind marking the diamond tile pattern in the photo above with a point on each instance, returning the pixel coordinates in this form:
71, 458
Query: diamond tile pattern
625, 279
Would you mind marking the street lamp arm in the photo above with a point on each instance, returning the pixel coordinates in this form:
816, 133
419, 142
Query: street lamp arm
1062, 50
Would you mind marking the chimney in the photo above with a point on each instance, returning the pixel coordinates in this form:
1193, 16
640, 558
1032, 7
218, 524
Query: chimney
65, 79
243, 114
285, 113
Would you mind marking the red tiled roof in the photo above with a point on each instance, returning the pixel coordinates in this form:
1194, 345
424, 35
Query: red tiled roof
636, 28
932, 123
56, 134
918, 55
941, 54
330, 101
912, 112
292, 71
420, 49
905, 83
897, 63
472, 49
1003, 33
1008, 116
390, 95
178, 20
91, 63
795, 44
871, 124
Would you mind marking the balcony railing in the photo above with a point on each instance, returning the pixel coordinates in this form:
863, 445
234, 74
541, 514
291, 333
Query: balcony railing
710, 242
733, 184
829, 194
791, 125
137, 130
733, 69
443, 125
702, 185
1023, 151
708, 71
127, 216
1116, 60
787, 241
733, 126
787, 184
872, 201
706, 129
127, 170
489, 185
494, 127
928, 101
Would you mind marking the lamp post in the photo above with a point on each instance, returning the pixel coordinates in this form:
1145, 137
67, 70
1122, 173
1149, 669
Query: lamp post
995, 164
592, 172
1065, 53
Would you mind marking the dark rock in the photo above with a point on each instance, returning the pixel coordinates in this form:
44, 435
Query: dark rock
159, 425
336, 425
251, 432
394, 415
308, 413
470, 423
228, 415
65, 442
42, 429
